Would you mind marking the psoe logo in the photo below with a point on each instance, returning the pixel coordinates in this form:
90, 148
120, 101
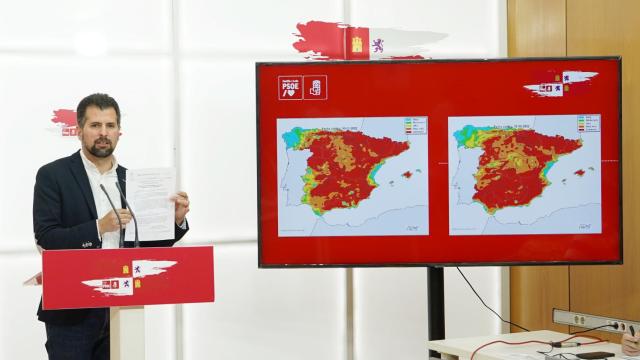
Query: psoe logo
65, 119
315, 87
290, 87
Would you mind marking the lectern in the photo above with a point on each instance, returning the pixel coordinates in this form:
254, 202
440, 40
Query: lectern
126, 280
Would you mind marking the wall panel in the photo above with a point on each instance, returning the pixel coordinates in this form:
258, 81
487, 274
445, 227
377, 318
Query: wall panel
593, 27
465, 314
88, 28
262, 29
467, 28
600, 27
33, 88
22, 336
269, 313
537, 28
218, 148
390, 313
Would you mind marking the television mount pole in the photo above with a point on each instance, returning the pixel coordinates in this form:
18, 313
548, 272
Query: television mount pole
435, 305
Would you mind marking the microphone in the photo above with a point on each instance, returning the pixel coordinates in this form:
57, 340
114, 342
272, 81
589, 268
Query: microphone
136, 241
121, 242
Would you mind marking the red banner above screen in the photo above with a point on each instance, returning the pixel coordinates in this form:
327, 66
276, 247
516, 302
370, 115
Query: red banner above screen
436, 162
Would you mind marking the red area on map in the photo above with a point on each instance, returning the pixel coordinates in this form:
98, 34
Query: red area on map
511, 167
342, 167
580, 172
407, 174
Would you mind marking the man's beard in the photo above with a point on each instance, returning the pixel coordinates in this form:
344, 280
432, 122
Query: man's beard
101, 153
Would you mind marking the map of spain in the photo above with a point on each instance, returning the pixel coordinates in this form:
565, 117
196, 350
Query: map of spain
524, 175
342, 166
352, 176
514, 163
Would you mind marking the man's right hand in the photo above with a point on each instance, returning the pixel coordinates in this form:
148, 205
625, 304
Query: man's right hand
630, 344
109, 222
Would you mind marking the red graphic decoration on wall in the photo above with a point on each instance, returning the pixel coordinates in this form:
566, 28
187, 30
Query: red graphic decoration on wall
320, 40
66, 119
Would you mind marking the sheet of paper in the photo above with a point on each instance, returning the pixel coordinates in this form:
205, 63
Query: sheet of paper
149, 194
524, 356
35, 280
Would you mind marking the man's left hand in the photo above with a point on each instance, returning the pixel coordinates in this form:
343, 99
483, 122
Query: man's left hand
181, 200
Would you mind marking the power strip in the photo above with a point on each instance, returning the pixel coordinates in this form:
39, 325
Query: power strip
589, 321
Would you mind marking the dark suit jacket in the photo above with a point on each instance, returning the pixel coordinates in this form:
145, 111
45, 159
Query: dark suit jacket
64, 217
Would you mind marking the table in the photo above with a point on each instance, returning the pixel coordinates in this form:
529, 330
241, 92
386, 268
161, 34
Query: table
452, 349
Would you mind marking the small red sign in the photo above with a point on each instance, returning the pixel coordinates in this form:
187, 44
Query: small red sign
290, 87
91, 278
315, 87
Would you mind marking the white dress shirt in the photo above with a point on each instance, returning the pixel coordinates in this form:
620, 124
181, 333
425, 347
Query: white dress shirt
110, 240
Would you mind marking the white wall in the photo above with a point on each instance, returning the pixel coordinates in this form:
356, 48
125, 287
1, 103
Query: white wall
183, 73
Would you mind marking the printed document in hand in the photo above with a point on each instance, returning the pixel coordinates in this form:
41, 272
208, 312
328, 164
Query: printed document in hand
149, 194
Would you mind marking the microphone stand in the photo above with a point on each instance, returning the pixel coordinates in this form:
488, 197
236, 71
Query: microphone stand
136, 242
121, 242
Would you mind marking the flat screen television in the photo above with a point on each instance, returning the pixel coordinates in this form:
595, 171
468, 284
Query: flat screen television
439, 162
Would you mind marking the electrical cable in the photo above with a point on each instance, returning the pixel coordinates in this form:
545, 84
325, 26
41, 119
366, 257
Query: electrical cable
545, 353
553, 344
596, 340
559, 355
487, 306
507, 343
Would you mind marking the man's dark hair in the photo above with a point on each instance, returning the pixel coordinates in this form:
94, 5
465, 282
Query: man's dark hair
102, 101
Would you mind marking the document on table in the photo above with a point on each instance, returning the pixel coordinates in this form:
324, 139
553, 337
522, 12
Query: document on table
149, 194
524, 356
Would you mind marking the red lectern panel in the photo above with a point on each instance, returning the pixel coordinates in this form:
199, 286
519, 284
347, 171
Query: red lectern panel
126, 277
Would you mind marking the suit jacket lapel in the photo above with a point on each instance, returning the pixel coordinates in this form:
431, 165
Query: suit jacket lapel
80, 175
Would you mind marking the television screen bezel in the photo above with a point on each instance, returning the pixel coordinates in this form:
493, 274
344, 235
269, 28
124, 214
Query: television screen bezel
262, 264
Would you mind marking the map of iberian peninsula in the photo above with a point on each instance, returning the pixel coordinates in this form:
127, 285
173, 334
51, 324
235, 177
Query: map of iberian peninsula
341, 170
513, 164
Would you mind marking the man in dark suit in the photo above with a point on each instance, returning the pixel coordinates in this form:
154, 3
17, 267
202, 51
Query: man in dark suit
71, 211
